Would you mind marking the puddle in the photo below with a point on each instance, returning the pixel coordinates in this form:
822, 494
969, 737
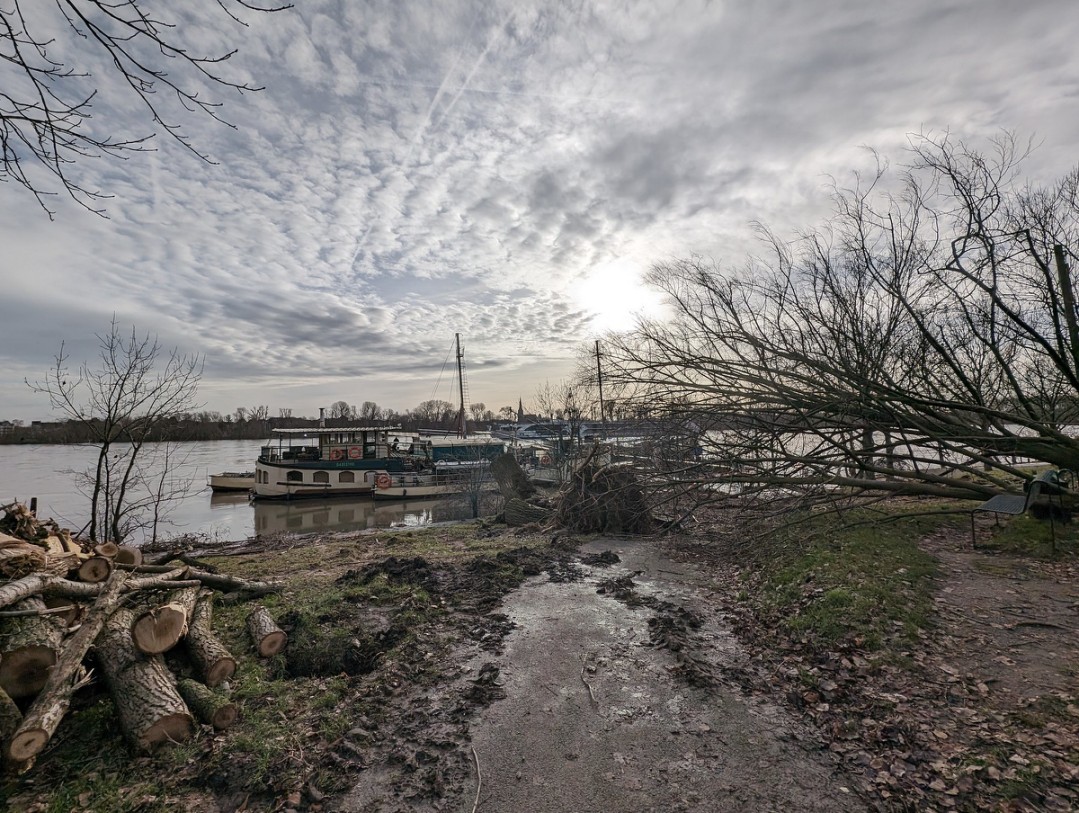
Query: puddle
597, 717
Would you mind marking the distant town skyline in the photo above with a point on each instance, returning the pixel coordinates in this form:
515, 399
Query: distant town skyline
504, 171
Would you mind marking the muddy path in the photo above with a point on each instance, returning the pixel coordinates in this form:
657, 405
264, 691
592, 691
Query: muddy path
611, 694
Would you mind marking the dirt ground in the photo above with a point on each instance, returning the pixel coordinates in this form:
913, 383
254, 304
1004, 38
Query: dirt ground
640, 685
631, 675
608, 695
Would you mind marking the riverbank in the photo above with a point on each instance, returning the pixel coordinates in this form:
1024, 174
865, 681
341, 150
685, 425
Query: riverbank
477, 667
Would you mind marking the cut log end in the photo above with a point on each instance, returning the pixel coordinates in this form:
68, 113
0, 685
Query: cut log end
127, 555
160, 630
169, 729
23, 671
272, 643
220, 671
269, 639
95, 569
106, 549
225, 716
26, 745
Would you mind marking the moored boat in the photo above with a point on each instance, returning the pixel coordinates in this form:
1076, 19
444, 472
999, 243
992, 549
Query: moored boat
416, 486
232, 481
443, 464
342, 461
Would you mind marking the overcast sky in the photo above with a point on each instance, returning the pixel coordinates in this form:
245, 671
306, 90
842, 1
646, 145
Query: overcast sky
505, 170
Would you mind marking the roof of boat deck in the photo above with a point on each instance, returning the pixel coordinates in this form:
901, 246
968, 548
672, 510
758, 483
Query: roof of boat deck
328, 430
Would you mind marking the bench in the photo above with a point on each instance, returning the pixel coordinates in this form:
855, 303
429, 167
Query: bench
1049, 482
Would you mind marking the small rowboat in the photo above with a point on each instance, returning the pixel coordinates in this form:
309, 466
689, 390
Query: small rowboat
232, 481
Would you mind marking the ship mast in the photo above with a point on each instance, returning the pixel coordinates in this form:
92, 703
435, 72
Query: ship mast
462, 429
599, 380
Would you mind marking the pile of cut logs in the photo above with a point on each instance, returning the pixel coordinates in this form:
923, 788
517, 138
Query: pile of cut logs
67, 606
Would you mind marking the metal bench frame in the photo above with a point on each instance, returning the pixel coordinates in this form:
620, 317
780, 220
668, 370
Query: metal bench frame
1050, 482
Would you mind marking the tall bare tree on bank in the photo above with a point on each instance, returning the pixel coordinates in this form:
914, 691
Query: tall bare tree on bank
928, 329
49, 89
125, 402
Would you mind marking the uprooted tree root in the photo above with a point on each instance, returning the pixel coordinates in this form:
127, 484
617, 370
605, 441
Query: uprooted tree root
603, 499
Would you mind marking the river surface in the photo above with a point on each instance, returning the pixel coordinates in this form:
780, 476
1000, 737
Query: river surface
47, 472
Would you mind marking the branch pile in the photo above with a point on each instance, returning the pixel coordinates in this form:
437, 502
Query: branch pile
61, 598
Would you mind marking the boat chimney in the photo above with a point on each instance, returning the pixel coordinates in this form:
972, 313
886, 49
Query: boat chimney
322, 417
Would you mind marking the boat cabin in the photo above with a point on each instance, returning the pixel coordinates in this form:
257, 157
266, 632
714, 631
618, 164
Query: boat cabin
454, 451
340, 445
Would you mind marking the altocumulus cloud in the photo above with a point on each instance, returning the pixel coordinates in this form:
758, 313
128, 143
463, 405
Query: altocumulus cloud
418, 169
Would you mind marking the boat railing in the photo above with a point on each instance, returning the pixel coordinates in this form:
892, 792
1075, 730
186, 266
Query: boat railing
408, 478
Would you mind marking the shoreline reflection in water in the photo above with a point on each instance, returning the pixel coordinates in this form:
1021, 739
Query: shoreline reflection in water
358, 514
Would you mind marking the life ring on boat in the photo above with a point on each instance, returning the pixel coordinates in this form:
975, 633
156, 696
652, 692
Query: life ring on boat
337, 454
384, 480
355, 452
545, 460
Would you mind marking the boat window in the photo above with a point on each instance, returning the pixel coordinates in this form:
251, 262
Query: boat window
321, 477
347, 477
294, 476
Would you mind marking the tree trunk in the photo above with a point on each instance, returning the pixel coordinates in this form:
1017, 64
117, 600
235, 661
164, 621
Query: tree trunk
22, 588
10, 716
209, 655
213, 709
28, 645
51, 704
161, 627
217, 581
144, 691
518, 513
268, 637
512, 481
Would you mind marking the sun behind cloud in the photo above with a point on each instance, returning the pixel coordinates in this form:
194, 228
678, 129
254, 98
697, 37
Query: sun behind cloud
616, 294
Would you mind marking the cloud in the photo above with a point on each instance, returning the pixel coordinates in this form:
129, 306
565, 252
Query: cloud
416, 170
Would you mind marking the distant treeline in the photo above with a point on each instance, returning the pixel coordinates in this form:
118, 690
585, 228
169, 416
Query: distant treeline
193, 429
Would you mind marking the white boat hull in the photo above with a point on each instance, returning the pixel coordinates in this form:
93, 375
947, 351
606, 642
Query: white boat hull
284, 482
232, 481
423, 486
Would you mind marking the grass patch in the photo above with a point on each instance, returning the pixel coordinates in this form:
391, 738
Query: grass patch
290, 715
1031, 537
852, 580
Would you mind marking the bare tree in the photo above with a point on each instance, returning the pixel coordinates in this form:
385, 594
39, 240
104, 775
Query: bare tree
369, 412
434, 413
50, 90
340, 409
928, 330
126, 403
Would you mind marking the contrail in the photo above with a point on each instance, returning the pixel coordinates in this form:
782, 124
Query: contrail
412, 144
475, 67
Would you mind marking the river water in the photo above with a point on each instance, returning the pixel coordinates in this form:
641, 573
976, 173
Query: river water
47, 472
